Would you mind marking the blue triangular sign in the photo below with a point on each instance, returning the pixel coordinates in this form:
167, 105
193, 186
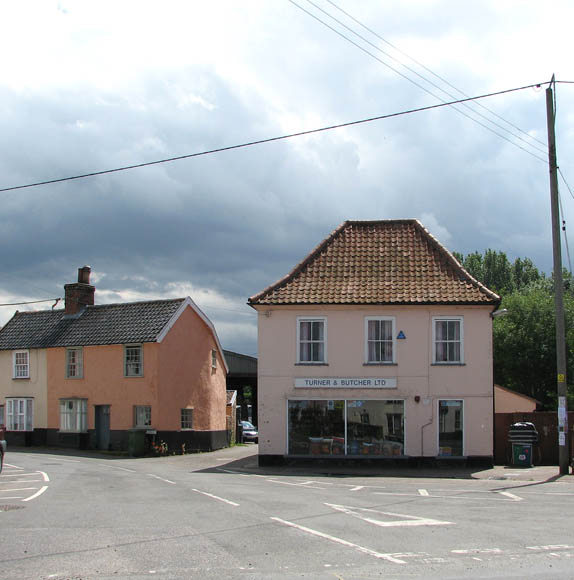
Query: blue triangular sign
401, 334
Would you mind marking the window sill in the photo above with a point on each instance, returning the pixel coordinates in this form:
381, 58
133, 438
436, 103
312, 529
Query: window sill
380, 364
311, 364
20, 378
448, 364
72, 432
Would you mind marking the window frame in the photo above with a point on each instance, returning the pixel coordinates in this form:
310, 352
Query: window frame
393, 340
79, 363
147, 411
28, 414
15, 364
78, 414
435, 320
321, 319
460, 423
188, 420
2, 415
127, 363
213, 358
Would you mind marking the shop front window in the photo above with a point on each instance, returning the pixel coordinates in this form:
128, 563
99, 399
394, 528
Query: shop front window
316, 427
375, 428
353, 427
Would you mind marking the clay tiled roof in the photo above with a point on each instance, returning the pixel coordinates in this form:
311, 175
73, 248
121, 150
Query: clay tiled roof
378, 262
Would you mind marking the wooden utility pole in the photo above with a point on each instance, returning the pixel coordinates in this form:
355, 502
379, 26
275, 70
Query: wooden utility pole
562, 385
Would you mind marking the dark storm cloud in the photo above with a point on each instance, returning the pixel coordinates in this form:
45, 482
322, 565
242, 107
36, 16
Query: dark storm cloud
222, 227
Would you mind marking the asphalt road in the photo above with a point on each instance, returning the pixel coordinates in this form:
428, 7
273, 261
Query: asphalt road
216, 515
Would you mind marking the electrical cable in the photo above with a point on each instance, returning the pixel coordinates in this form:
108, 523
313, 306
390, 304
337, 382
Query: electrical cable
415, 82
281, 138
565, 182
564, 230
430, 71
55, 300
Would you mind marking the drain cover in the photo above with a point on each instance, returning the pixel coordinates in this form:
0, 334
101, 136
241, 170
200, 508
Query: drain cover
6, 508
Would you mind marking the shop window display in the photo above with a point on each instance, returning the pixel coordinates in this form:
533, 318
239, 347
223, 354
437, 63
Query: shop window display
353, 428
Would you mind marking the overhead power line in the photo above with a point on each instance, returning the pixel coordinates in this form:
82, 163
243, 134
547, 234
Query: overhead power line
414, 82
437, 76
272, 139
55, 300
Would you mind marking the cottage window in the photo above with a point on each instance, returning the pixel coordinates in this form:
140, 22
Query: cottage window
20, 414
74, 415
74, 363
142, 416
187, 418
21, 364
213, 359
448, 340
380, 340
133, 360
312, 340
2, 416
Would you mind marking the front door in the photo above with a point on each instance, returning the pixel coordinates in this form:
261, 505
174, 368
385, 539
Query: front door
103, 427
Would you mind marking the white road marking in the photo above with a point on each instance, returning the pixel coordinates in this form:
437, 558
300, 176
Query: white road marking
161, 478
12, 466
116, 467
38, 493
551, 547
17, 489
70, 460
217, 497
478, 551
423, 492
363, 550
511, 495
405, 520
357, 488
12, 497
44, 475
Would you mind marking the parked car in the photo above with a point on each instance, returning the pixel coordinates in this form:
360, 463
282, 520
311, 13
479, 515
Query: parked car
2, 447
250, 432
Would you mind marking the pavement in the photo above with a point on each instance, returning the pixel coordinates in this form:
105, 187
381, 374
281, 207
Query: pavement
247, 461
244, 458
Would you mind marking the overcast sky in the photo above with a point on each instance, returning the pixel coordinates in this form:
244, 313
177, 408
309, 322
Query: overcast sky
87, 86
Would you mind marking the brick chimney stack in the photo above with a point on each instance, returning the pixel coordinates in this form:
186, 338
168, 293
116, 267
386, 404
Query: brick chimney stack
81, 293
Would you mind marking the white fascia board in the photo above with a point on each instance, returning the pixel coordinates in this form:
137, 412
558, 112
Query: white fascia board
189, 302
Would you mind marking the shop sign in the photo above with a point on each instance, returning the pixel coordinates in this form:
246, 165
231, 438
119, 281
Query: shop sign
347, 383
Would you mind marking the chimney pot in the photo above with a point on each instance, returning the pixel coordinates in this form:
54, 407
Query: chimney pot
84, 275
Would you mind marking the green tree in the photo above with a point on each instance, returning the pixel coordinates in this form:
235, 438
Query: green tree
496, 272
525, 342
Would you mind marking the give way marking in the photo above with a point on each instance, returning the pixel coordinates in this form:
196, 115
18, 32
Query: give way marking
13, 481
390, 520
